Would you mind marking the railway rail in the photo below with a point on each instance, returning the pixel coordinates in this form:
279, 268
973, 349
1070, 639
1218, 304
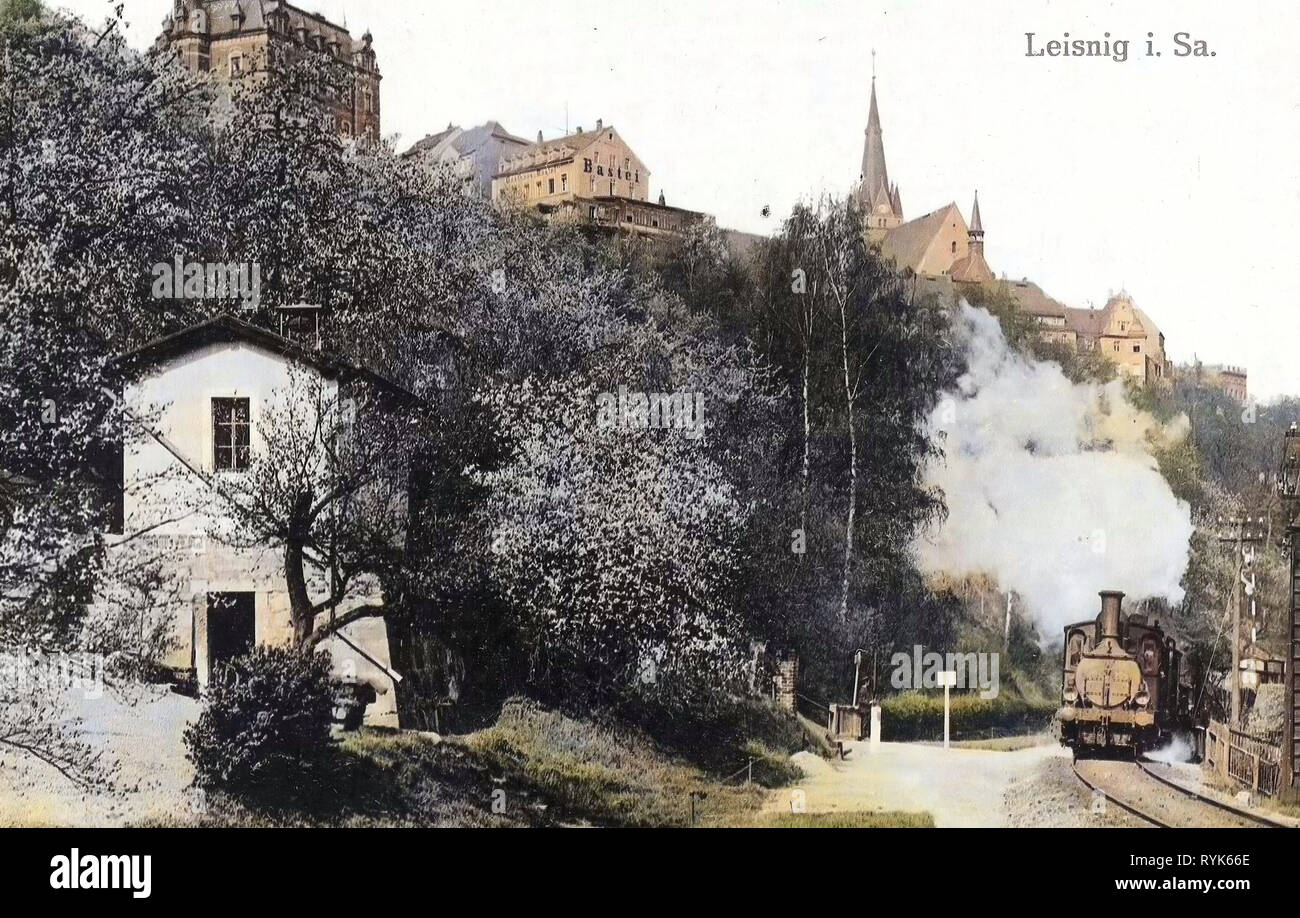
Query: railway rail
1160, 802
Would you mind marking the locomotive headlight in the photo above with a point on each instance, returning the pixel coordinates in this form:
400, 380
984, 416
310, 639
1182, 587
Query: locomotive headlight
1142, 697
1071, 696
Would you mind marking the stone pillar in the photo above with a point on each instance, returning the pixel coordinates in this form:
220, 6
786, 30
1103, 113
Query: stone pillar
787, 672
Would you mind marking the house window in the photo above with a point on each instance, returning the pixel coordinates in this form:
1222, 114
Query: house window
550, 186
230, 434
236, 64
564, 183
638, 176
1137, 348
954, 247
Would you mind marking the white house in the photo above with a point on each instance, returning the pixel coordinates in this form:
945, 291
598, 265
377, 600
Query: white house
198, 399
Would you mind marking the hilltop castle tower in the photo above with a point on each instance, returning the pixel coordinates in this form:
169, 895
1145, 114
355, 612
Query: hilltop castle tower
240, 39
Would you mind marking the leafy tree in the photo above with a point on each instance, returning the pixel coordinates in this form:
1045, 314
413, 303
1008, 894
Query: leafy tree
867, 358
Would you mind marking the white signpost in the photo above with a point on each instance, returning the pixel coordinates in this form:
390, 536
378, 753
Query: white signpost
947, 680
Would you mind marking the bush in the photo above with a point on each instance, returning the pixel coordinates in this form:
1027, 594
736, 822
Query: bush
917, 716
265, 723
721, 733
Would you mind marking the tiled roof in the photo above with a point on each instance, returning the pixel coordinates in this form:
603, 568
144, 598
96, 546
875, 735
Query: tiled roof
559, 149
464, 140
1032, 299
972, 268
909, 242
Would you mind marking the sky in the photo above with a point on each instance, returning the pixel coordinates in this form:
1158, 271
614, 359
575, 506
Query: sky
1176, 179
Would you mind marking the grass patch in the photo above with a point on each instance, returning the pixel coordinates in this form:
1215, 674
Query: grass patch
533, 767
616, 776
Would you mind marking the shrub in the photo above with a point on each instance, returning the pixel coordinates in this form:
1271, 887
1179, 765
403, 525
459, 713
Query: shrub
265, 723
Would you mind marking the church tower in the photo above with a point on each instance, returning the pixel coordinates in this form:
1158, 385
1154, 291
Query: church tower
971, 268
880, 202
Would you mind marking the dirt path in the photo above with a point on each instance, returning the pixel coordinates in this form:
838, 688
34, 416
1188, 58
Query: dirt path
958, 787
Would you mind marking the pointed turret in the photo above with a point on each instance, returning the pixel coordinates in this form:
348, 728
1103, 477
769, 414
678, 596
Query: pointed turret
972, 268
879, 201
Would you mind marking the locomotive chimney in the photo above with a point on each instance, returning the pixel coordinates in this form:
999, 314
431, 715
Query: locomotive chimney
1109, 621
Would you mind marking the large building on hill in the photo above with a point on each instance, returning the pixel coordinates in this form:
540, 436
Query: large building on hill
1230, 380
582, 164
938, 244
1119, 331
239, 39
591, 177
945, 251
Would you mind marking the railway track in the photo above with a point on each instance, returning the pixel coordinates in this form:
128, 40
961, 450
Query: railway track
1159, 802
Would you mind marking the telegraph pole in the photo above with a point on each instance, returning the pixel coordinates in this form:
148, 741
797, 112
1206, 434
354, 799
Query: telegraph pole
1288, 488
1247, 531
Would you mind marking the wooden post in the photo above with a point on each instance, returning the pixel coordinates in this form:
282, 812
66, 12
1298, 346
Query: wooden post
947, 680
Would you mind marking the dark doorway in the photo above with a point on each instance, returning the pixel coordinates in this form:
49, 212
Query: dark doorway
231, 626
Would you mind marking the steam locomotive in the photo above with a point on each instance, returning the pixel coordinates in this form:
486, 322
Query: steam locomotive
1120, 690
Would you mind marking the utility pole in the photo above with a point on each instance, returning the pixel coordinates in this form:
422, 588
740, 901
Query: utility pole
1244, 531
1288, 489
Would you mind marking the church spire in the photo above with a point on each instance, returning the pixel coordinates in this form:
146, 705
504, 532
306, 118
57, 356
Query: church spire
878, 199
874, 174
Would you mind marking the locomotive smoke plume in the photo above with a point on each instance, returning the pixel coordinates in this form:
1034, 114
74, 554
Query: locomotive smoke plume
1050, 485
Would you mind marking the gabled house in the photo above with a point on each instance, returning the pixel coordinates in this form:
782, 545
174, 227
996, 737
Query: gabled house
1124, 335
474, 153
201, 400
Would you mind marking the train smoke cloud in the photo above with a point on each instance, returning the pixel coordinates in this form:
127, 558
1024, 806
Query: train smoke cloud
1050, 485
